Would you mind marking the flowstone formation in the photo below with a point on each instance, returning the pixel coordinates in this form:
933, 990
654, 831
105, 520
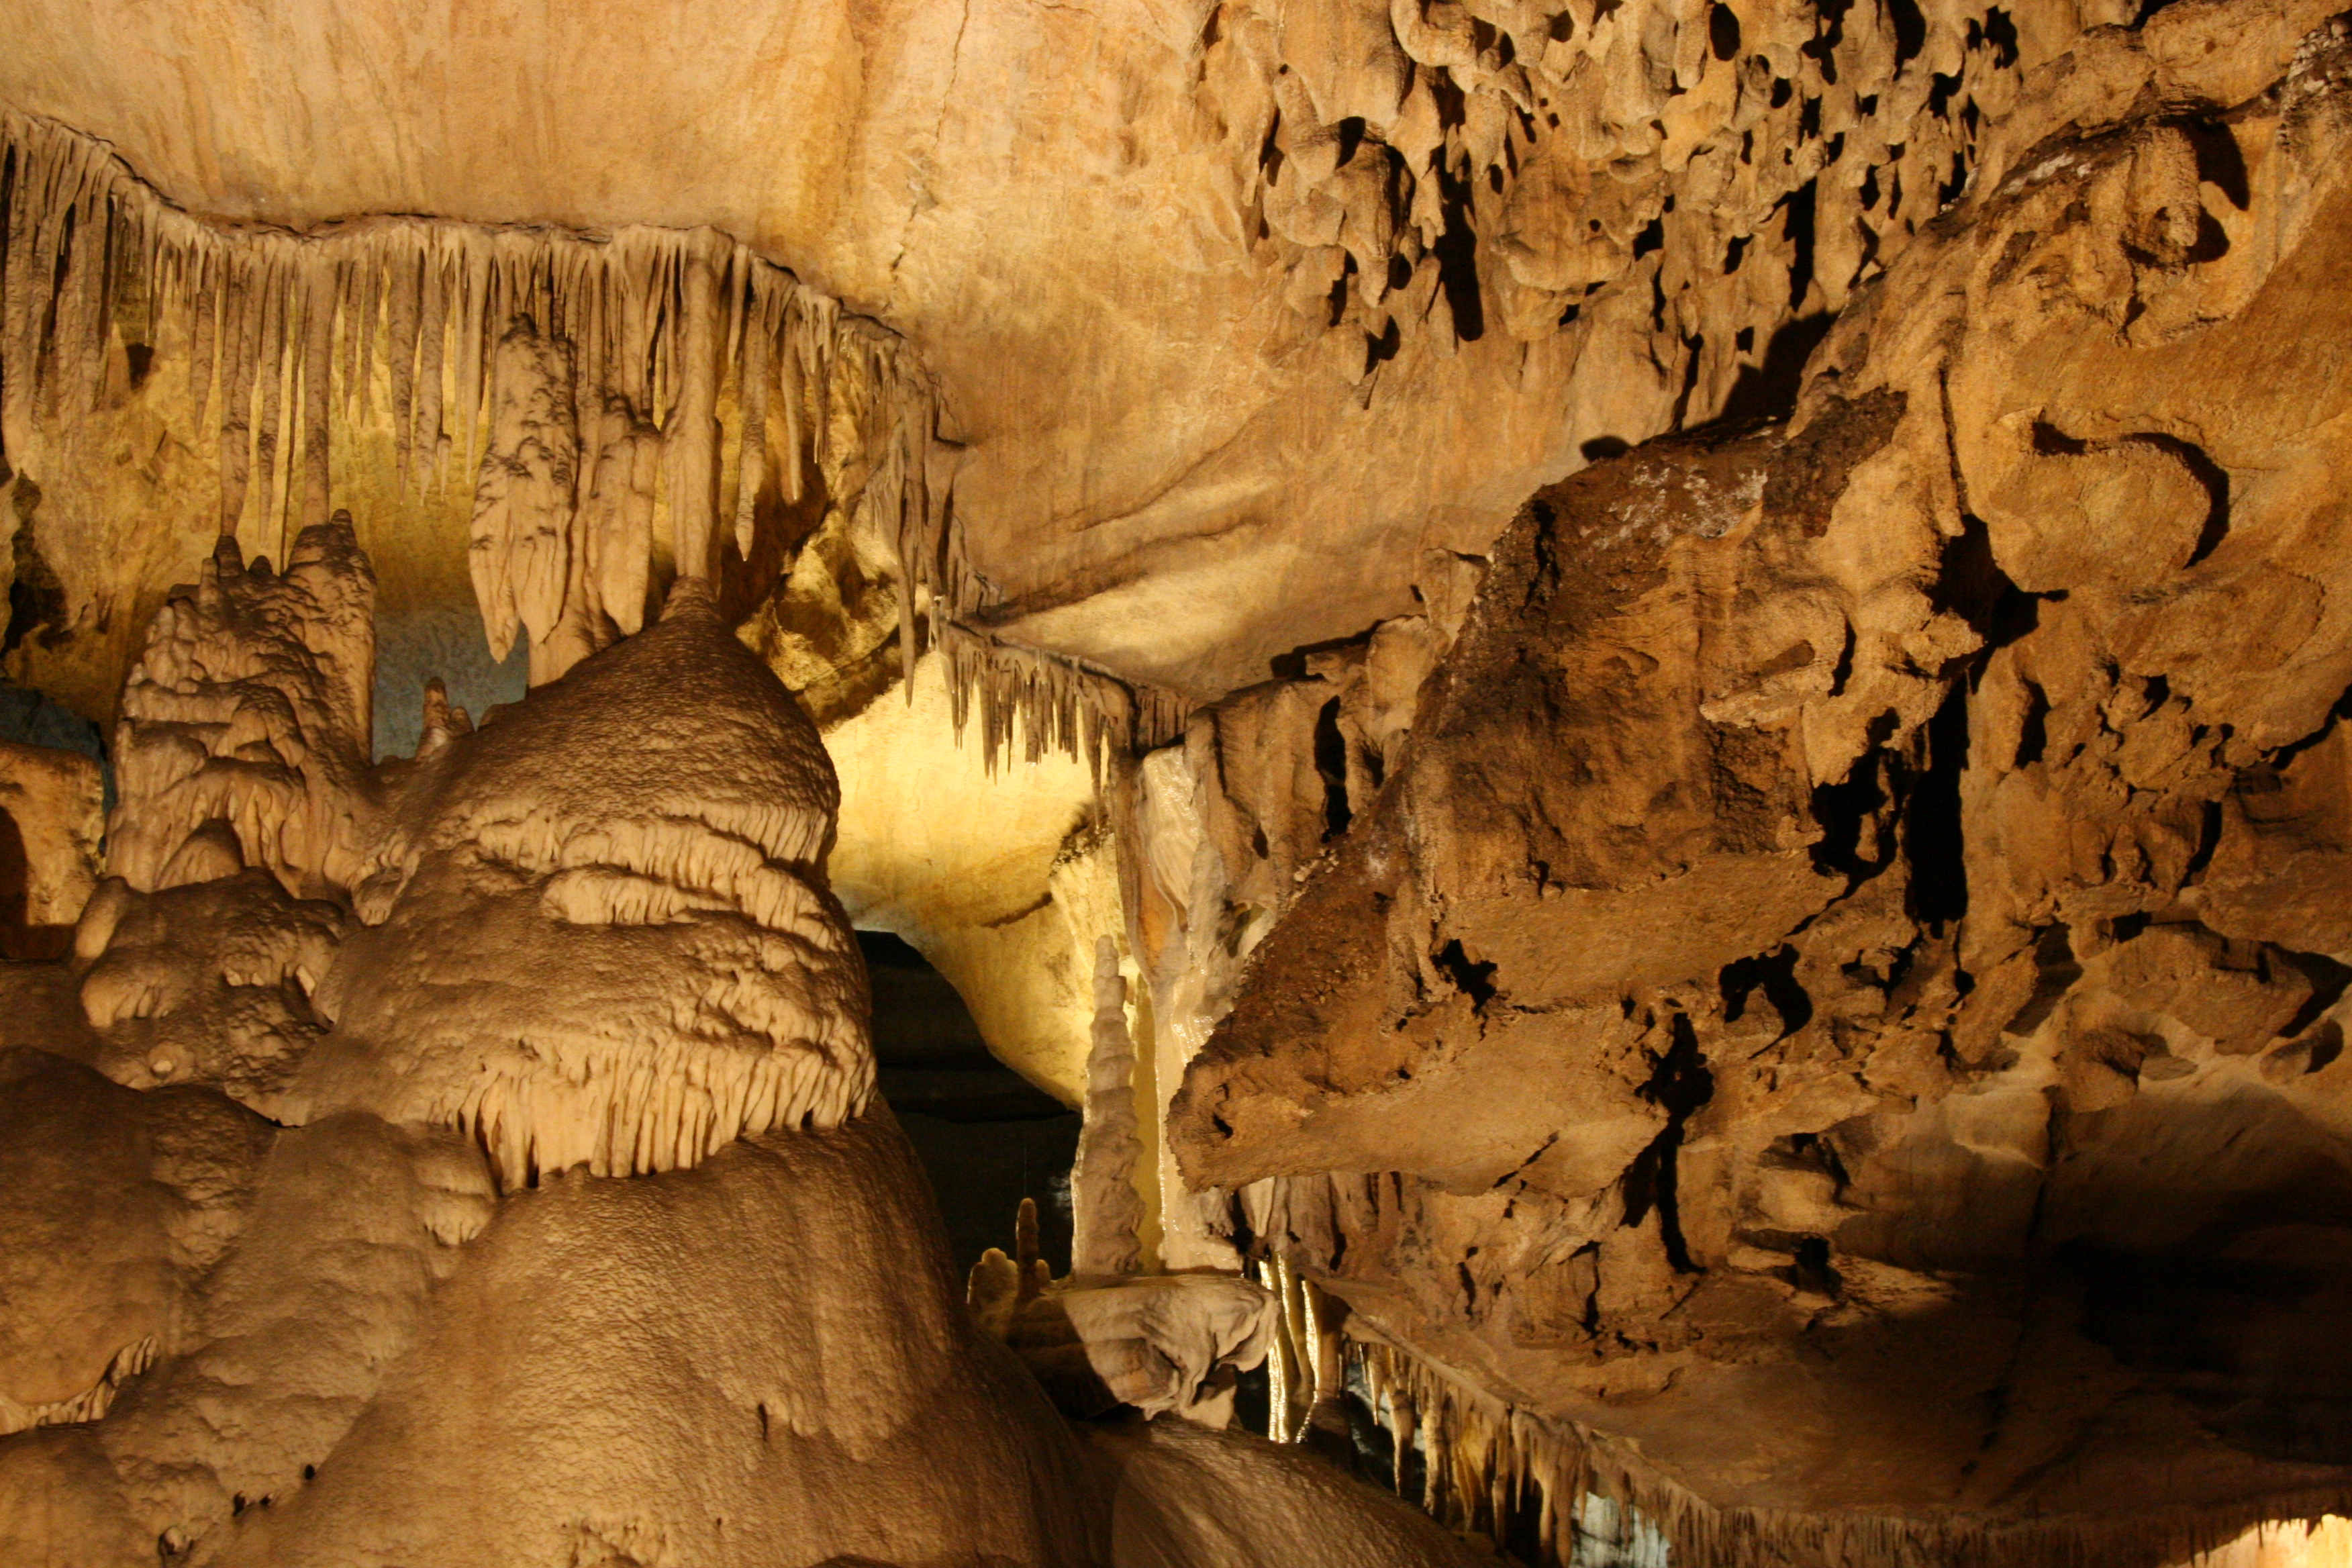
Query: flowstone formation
474, 1158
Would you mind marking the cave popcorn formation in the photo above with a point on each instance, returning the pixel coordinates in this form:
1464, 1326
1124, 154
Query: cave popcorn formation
1644, 700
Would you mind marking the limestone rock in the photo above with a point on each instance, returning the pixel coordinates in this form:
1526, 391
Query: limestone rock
666, 858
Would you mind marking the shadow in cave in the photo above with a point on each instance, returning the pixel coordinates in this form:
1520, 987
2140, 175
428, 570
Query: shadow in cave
986, 1136
1767, 390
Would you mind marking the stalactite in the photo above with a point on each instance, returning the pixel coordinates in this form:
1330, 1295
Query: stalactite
692, 427
1058, 703
318, 377
658, 326
237, 399
759, 341
346, 322
1519, 1476
425, 438
662, 326
478, 334
400, 367
269, 364
208, 316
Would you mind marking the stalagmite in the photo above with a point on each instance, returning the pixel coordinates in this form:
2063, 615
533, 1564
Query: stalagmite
1107, 1212
252, 706
711, 988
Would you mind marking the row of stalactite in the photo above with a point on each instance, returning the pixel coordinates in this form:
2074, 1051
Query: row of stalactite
617, 405
1560, 1495
1053, 704
288, 338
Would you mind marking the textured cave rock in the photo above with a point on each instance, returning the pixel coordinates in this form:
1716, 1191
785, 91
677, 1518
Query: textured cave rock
1645, 700
521, 1197
1790, 1007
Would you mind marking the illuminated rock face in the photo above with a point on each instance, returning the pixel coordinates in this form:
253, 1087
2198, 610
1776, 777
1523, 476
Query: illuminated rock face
519, 1197
1845, 978
600, 931
1648, 697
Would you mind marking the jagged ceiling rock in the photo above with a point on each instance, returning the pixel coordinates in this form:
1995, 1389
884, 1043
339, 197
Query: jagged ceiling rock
1233, 323
1820, 828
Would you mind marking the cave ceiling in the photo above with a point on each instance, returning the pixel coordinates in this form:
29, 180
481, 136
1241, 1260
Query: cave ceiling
1167, 470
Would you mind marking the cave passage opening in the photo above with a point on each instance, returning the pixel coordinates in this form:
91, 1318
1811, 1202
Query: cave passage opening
987, 1137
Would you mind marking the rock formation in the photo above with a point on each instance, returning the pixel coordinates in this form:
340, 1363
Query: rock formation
575, 1006
1815, 913
1646, 700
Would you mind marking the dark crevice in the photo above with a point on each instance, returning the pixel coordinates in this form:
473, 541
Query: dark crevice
2327, 978
2055, 970
1768, 390
2216, 482
1292, 666
1931, 825
36, 598
2220, 161
1679, 1085
1723, 31
1843, 670
1910, 31
1841, 808
1775, 974
1331, 764
1952, 189
1797, 228
1457, 258
1351, 136
1811, 1271
2001, 32
1475, 981
2033, 730
1970, 583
